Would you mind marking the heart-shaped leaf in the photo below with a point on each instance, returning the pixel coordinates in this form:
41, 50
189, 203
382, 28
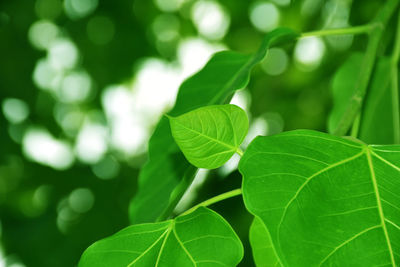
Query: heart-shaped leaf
209, 136
200, 238
167, 173
326, 200
261, 244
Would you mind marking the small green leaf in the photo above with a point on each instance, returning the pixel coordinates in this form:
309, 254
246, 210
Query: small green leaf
343, 87
209, 136
325, 200
201, 238
167, 171
263, 251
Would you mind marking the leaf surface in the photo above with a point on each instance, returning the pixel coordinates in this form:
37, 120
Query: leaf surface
263, 252
209, 136
167, 171
201, 238
326, 200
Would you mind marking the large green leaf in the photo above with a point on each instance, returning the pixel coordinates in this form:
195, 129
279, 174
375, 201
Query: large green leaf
344, 85
167, 173
201, 238
209, 136
263, 251
377, 118
326, 200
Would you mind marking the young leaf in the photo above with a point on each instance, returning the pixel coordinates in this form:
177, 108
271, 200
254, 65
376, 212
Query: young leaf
263, 251
201, 238
209, 136
326, 200
343, 87
377, 112
167, 169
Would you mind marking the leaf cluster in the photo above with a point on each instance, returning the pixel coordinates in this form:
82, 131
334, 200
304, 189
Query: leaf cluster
318, 199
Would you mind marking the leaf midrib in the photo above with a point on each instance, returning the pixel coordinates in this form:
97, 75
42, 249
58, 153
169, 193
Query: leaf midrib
164, 236
379, 203
331, 166
207, 137
367, 151
150, 247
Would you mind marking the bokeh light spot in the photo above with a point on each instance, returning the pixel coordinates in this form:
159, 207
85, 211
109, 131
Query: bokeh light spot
242, 98
336, 15
166, 27
38, 145
75, 87
15, 110
276, 61
193, 54
81, 200
264, 16
309, 52
45, 76
42, 33
230, 166
168, 5
70, 118
76, 9
63, 54
91, 144
107, 168
66, 216
258, 126
128, 132
210, 19
41, 196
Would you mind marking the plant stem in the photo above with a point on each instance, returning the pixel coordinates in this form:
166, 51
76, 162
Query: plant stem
394, 85
239, 151
354, 106
356, 126
215, 199
342, 31
178, 192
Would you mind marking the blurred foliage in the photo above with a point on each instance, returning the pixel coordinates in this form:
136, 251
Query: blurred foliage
52, 206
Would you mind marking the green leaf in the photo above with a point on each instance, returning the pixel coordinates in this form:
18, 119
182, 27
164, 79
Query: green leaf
377, 99
201, 238
209, 136
326, 200
377, 112
263, 251
167, 173
343, 87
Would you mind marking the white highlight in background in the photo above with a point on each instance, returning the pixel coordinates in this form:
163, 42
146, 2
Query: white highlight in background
264, 16
38, 145
309, 52
210, 19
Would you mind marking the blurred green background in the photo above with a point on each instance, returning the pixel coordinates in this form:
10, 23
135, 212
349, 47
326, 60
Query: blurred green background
83, 83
